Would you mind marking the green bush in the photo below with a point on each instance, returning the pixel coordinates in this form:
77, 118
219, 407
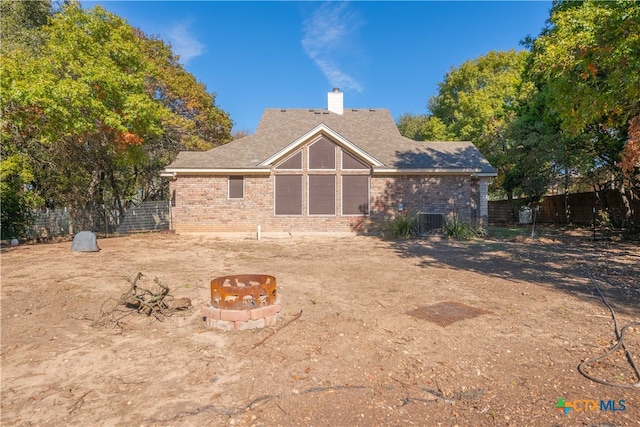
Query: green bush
455, 228
402, 226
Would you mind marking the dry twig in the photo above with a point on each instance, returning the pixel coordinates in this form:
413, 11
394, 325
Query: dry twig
297, 316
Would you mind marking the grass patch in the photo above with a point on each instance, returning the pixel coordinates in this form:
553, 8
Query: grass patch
508, 233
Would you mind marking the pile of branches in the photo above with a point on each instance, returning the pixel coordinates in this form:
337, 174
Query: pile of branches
138, 299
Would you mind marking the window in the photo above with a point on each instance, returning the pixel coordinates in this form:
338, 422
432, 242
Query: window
322, 155
350, 162
322, 195
236, 187
293, 162
355, 194
288, 194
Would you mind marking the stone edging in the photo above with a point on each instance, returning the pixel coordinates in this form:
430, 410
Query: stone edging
240, 320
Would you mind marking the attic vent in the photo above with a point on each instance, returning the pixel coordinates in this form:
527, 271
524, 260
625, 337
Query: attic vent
284, 110
355, 110
372, 109
325, 112
430, 223
316, 112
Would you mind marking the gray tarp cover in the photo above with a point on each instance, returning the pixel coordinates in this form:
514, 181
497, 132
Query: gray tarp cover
85, 241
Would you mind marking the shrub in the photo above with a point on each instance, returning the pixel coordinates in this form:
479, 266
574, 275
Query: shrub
402, 225
455, 228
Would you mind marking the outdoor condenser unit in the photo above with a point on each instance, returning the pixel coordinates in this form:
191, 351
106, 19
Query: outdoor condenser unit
430, 223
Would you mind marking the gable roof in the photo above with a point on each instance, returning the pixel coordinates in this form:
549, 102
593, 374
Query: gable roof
369, 134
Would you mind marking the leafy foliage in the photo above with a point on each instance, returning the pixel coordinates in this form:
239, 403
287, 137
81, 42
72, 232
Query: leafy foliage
402, 225
455, 228
99, 109
423, 128
587, 61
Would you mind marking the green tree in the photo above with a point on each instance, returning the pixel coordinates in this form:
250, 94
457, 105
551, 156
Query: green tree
22, 22
423, 127
588, 60
475, 101
478, 101
21, 32
99, 109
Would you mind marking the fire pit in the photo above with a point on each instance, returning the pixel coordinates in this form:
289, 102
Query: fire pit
239, 302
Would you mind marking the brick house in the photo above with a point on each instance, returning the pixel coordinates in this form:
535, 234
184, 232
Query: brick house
325, 170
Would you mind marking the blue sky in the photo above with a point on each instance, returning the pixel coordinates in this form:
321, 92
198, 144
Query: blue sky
257, 55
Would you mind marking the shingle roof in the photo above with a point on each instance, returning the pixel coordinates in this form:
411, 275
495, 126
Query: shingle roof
371, 130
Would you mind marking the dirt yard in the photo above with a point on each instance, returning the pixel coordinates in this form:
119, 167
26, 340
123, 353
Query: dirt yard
363, 352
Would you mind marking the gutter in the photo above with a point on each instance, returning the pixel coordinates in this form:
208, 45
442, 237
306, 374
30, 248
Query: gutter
173, 173
429, 171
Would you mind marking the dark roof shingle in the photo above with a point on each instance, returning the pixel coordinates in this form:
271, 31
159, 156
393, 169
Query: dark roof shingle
371, 130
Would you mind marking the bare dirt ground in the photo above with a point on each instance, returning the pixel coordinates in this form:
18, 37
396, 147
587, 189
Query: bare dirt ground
358, 355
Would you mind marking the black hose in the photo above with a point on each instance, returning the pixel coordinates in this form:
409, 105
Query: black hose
620, 337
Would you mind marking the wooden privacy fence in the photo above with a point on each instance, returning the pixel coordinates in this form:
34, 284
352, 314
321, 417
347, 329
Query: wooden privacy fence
578, 208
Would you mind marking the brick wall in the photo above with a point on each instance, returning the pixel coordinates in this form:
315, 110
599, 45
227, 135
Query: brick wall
446, 194
201, 203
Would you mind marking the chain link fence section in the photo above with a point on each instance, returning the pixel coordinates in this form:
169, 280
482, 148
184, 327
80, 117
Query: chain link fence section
146, 216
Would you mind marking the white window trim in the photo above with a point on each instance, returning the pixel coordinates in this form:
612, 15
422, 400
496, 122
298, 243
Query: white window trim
368, 196
335, 156
335, 180
229, 189
275, 189
362, 169
276, 167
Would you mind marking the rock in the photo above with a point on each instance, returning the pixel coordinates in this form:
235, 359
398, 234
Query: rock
85, 241
14, 242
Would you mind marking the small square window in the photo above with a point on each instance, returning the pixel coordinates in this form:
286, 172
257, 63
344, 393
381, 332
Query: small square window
236, 187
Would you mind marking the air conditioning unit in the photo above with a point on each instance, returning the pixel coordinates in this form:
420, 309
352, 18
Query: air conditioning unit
430, 223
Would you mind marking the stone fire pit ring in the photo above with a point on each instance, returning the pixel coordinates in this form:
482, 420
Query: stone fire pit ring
239, 302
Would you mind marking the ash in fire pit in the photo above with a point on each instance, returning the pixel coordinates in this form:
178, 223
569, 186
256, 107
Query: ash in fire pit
239, 302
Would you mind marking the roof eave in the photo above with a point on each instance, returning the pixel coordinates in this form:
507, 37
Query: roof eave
173, 172
426, 171
486, 174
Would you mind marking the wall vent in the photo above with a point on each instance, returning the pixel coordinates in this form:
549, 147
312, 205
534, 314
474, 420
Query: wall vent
430, 223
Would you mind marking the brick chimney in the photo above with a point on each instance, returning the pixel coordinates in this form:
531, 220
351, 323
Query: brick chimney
335, 101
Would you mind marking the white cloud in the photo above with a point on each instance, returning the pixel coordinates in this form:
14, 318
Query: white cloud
183, 43
327, 34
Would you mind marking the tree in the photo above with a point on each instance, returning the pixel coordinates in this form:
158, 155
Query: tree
22, 22
588, 58
21, 31
99, 109
477, 102
423, 128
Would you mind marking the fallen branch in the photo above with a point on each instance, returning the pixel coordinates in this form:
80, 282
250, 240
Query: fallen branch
141, 300
79, 402
297, 316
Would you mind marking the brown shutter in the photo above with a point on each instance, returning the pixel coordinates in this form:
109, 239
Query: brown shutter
322, 194
293, 162
236, 187
322, 155
350, 162
288, 194
355, 194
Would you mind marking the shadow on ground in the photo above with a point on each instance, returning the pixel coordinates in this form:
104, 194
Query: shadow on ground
574, 264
